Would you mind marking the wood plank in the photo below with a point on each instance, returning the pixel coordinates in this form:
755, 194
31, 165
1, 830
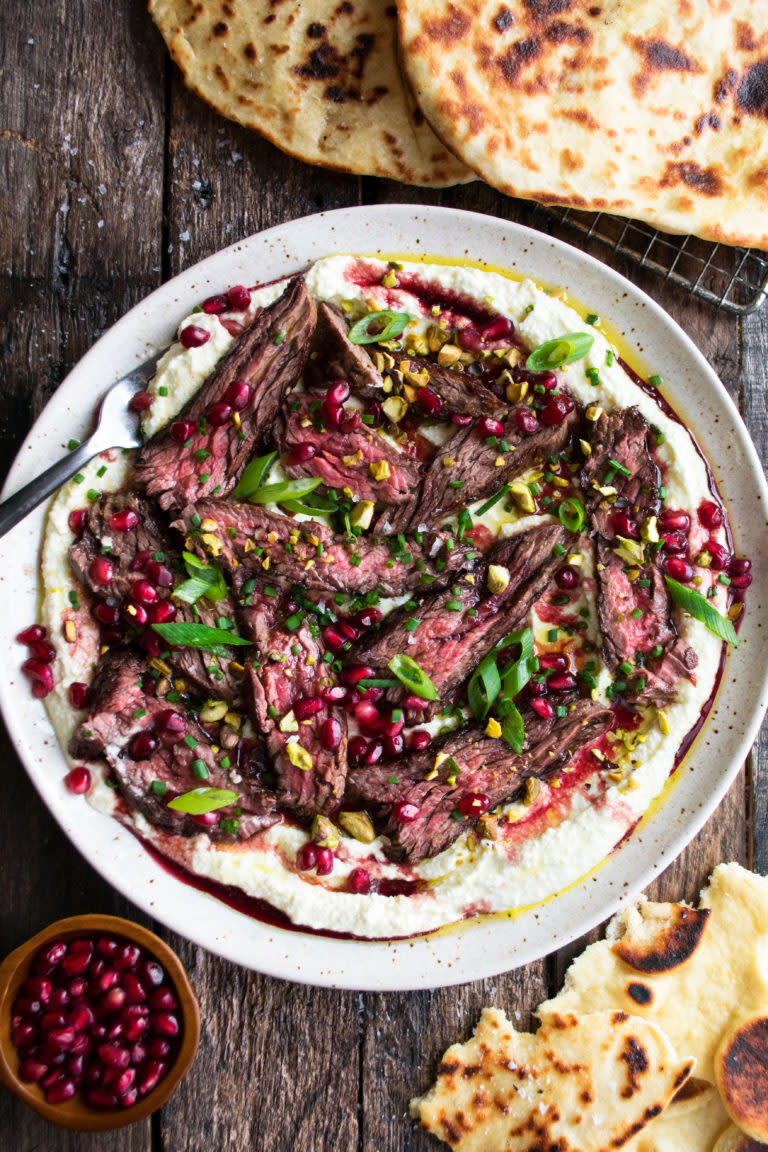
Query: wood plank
278, 1065
80, 153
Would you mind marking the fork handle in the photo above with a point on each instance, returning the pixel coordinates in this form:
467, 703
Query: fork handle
16, 507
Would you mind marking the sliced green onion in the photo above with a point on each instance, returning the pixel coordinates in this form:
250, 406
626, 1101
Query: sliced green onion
377, 682
377, 326
481, 511
414, 678
288, 490
187, 635
484, 686
513, 730
254, 476
312, 506
695, 604
619, 467
205, 580
561, 350
570, 513
202, 800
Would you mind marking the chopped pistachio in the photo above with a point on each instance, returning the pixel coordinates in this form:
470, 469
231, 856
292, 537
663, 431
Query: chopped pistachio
448, 355
593, 412
325, 833
663, 722
213, 710
390, 280
522, 497
361, 515
575, 559
70, 631
532, 790
212, 543
379, 469
488, 827
704, 559
299, 757
498, 578
289, 723
394, 408
649, 530
586, 447
358, 825
208, 525
630, 551
353, 460
493, 728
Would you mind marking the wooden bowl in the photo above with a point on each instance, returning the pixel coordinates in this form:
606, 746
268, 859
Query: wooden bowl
74, 1113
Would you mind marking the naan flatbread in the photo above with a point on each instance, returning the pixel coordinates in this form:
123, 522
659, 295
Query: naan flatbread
320, 80
585, 1083
701, 975
656, 109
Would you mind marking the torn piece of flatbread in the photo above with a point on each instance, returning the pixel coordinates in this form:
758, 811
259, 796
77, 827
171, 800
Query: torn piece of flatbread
734, 1140
586, 1083
701, 975
692, 1122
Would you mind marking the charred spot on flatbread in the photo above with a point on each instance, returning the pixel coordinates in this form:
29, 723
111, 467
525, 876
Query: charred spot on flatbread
640, 993
665, 941
692, 1089
741, 1069
752, 92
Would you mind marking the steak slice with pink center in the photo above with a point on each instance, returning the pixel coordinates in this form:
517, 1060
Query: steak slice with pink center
422, 817
207, 446
309, 760
244, 536
157, 751
458, 626
361, 460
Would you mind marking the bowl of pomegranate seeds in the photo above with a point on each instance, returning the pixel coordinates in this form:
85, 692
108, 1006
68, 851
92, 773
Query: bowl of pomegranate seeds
98, 1022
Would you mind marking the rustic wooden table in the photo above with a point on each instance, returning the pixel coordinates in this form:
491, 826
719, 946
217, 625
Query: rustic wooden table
114, 179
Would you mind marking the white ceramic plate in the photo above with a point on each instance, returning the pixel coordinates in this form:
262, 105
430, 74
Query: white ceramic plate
473, 949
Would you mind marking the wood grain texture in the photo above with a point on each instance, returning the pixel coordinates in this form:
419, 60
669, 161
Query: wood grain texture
113, 177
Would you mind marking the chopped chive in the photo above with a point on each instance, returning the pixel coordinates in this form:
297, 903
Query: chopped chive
593, 318
625, 667
199, 770
190, 742
609, 357
159, 787
79, 478
72, 444
552, 635
411, 625
636, 613
619, 467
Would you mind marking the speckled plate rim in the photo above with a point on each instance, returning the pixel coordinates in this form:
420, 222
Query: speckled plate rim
474, 949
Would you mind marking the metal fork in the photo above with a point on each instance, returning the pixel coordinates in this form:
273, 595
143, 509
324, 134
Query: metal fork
117, 427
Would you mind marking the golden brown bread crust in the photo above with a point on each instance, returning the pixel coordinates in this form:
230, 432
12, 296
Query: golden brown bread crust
320, 80
644, 108
670, 939
741, 1069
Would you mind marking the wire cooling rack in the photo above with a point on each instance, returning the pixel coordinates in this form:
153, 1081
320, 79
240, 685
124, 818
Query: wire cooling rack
735, 279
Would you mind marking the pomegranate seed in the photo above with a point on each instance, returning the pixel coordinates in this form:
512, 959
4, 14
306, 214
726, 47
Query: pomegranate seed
623, 524
63, 1090
334, 695
158, 1048
60, 1038
429, 401
355, 673
393, 727
301, 453
375, 752
141, 401
498, 329
193, 336
710, 514
470, 338
306, 858
41, 688
561, 682
394, 744
742, 581
556, 409
366, 618
142, 746
39, 988
567, 578
721, 557
80, 1044
163, 1000
474, 804
51, 956
337, 393
30, 1071
158, 573
238, 395
81, 1017
542, 708
348, 631
78, 987
60, 998
124, 520
739, 565
78, 694
134, 613
31, 635
488, 427
324, 861
128, 956
420, 739
78, 781
143, 592
330, 734
112, 1001
101, 570
215, 305
553, 661
674, 520
26, 1033
368, 718
25, 1006
405, 812
76, 962
38, 670
675, 542
114, 1055
333, 639
351, 419
77, 520
161, 613
124, 1081
100, 1099
357, 749
182, 430
526, 421
460, 421
239, 298
139, 1051
219, 414
152, 972
360, 694
44, 651
206, 819
305, 708
359, 881
171, 725
679, 569
150, 1075
107, 613
129, 1099
415, 703
134, 1029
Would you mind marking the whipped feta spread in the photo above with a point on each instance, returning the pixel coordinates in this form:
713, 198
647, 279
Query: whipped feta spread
547, 843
